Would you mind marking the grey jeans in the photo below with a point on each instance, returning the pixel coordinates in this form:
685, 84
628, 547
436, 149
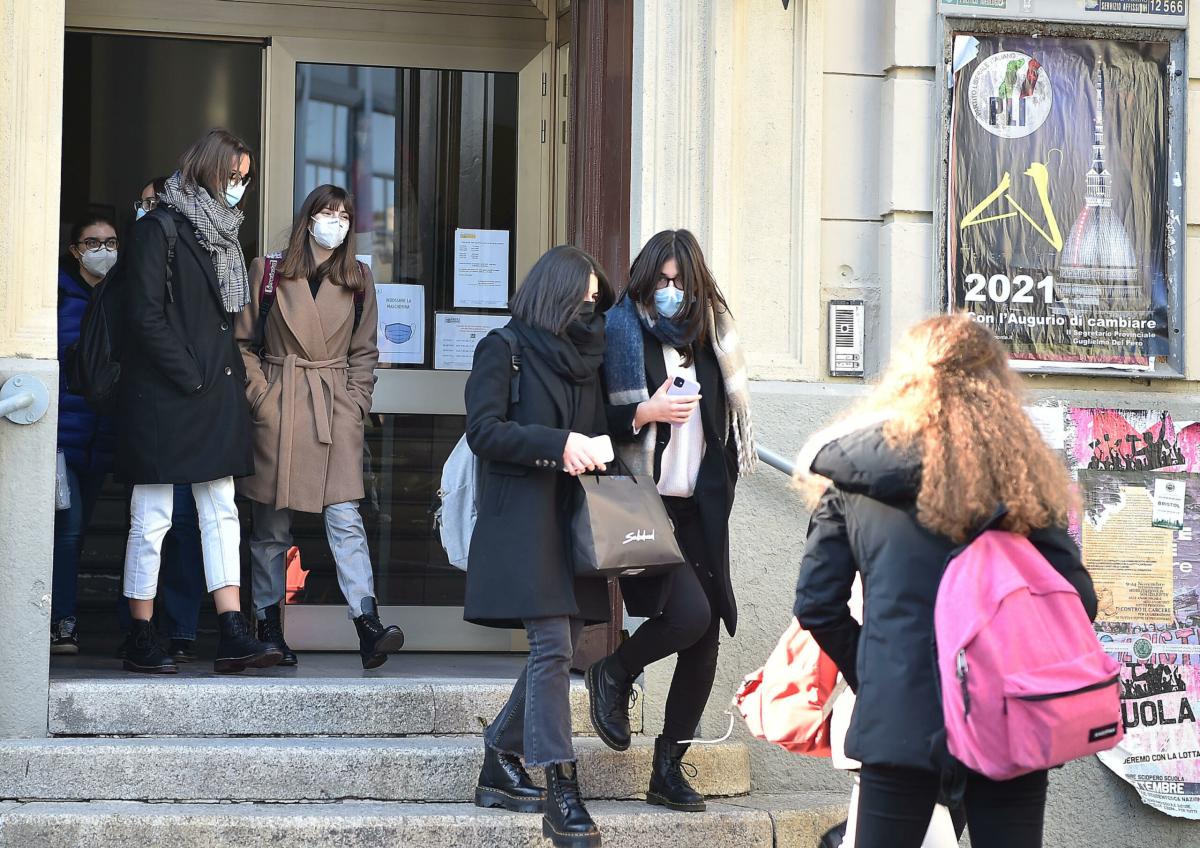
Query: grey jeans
272, 536
536, 722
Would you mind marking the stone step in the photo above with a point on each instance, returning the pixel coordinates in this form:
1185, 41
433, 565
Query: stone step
773, 822
261, 706
423, 769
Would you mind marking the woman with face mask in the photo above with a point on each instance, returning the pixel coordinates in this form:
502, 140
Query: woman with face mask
84, 437
671, 332
183, 417
310, 369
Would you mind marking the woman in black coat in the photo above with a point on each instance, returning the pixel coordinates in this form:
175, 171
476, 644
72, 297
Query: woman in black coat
670, 333
182, 414
533, 403
942, 451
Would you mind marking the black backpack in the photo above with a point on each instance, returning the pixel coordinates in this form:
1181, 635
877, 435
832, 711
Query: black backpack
93, 363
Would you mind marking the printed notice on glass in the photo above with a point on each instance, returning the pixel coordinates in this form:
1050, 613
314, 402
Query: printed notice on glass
481, 269
1129, 559
457, 336
401, 323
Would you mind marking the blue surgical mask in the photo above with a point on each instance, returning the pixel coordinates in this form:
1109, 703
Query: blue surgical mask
233, 194
668, 301
141, 213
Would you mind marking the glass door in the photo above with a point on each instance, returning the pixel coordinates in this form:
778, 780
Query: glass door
448, 165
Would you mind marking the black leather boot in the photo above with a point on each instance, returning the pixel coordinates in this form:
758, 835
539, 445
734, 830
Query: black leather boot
144, 653
183, 650
270, 632
238, 650
611, 689
503, 782
566, 822
668, 786
375, 641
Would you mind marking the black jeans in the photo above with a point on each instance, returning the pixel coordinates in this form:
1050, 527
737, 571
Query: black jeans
894, 806
688, 626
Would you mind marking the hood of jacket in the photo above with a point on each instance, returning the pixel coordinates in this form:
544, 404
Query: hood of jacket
858, 459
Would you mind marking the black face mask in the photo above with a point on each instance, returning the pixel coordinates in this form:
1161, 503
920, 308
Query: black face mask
587, 311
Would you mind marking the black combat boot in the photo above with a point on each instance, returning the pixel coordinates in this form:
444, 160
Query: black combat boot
503, 782
238, 650
270, 632
566, 822
668, 786
183, 650
611, 689
375, 641
144, 653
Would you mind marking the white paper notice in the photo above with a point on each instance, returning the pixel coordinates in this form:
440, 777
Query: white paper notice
481, 269
1169, 498
401, 323
1051, 423
456, 337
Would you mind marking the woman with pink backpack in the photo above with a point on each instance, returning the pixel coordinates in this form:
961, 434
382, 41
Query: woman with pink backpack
939, 453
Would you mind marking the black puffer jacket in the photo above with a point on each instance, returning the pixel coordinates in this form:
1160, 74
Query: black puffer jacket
866, 522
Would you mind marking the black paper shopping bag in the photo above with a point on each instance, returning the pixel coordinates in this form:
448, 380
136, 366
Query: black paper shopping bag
622, 528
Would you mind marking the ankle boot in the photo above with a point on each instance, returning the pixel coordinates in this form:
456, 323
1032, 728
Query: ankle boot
270, 632
668, 786
610, 688
503, 782
375, 641
144, 653
238, 650
566, 822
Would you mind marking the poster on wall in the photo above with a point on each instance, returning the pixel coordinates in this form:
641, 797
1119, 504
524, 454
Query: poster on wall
401, 336
1139, 529
1060, 235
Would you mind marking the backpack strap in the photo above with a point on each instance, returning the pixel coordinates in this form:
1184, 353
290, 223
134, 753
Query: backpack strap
266, 299
360, 298
168, 227
514, 350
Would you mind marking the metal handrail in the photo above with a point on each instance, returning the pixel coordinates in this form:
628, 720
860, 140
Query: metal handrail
776, 461
16, 402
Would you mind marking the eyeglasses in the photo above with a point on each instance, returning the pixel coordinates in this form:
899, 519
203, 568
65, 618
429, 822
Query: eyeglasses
664, 281
96, 244
237, 178
147, 203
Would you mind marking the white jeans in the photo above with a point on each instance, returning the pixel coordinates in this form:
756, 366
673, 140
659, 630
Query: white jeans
150, 519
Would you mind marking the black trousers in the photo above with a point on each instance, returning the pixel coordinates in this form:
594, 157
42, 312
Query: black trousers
894, 806
688, 626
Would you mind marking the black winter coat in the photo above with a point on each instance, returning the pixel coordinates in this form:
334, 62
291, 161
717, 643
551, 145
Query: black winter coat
182, 414
520, 565
866, 523
715, 484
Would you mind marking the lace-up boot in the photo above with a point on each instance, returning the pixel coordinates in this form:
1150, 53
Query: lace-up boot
668, 786
566, 822
375, 641
144, 653
270, 631
611, 689
504, 783
238, 650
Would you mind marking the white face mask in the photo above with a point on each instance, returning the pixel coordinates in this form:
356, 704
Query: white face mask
233, 194
98, 262
329, 232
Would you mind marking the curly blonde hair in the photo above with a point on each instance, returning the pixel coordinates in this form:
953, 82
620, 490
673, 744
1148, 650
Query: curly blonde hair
950, 395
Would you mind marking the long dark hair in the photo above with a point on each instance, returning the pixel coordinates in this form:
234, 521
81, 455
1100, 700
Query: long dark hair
208, 163
341, 267
701, 295
551, 296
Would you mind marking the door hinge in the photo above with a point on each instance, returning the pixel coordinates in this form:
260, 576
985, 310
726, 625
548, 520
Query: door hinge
543, 131
564, 132
543, 85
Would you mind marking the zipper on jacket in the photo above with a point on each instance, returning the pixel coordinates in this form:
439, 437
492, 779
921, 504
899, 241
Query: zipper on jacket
1091, 687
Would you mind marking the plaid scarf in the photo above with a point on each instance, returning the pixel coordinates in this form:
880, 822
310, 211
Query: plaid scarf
217, 226
625, 376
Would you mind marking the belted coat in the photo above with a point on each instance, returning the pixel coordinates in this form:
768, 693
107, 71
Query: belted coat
309, 393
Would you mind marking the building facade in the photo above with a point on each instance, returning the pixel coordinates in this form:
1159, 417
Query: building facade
804, 143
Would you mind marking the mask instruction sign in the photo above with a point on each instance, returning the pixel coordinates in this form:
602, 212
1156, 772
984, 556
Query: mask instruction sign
1060, 233
401, 323
481, 269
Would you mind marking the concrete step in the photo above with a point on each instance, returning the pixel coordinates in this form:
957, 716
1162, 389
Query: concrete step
772, 822
263, 706
422, 769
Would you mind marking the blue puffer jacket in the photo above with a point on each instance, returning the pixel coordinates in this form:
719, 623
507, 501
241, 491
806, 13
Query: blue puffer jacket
85, 437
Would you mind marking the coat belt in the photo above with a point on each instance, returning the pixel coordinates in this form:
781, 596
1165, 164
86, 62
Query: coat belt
319, 374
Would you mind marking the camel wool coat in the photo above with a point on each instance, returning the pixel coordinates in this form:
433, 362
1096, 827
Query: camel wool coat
309, 393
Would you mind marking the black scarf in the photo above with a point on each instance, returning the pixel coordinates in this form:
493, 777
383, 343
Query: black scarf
577, 355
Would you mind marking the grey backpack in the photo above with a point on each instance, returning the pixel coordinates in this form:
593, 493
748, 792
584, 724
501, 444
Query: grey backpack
462, 478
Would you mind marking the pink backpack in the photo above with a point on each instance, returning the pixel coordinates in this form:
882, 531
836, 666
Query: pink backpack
1025, 684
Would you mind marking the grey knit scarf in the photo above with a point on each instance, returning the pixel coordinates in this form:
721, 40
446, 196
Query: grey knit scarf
218, 225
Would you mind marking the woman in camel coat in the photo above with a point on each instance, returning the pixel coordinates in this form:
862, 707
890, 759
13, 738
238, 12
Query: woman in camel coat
310, 374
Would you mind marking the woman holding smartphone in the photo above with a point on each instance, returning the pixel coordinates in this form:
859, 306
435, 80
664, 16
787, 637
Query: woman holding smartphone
182, 414
528, 427
680, 406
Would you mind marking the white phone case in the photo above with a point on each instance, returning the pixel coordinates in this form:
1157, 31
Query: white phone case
683, 386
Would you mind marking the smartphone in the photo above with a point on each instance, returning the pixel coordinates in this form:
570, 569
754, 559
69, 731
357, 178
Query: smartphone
683, 386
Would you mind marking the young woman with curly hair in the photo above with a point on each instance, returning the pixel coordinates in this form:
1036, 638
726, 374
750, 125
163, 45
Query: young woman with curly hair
941, 450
